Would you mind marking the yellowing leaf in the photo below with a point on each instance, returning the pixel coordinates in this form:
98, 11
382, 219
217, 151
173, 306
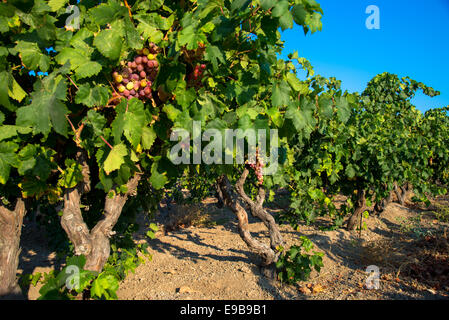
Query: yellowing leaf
115, 158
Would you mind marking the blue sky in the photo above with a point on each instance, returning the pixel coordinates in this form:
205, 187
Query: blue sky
413, 40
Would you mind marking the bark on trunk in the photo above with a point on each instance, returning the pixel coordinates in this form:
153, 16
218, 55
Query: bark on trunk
356, 217
94, 244
10, 231
400, 194
382, 205
235, 198
219, 196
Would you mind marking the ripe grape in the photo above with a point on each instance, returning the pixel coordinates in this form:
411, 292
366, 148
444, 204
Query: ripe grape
129, 86
118, 78
136, 77
257, 167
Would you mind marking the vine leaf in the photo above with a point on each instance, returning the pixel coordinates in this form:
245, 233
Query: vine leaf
109, 43
79, 62
281, 94
115, 158
46, 109
96, 96
157, 180
8, 158
129, 121
32, 57
55, 5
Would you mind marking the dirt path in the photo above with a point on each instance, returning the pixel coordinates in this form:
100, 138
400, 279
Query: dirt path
212, 262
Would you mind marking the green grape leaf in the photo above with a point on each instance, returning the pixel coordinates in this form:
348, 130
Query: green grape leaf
148, 137
8, 131
157, 180
55, 5
116, 158
147, 29
109, 43
79, 62
129, 121
32, 57
96, 96
281, 94
97, 121
46, 109
8, 159
280, 9
72, 175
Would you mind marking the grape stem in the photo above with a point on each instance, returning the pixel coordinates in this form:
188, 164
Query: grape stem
129, 9
73, 82
77, 132
106, 142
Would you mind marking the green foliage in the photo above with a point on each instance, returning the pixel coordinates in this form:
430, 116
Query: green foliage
73, 280
296, 264
362, 142
331, 142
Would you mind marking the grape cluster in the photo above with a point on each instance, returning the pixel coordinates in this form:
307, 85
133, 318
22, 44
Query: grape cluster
257, 167
136, 77
190, 56
194, 78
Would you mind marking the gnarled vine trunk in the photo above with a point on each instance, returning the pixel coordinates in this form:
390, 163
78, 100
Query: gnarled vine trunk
94, 244
360, 207
382, 205
400, 193
234, 197
10, 231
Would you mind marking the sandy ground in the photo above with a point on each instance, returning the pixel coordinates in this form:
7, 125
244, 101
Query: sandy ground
210, 261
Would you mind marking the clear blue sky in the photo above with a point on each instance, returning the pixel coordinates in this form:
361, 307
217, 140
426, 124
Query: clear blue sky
413, 40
